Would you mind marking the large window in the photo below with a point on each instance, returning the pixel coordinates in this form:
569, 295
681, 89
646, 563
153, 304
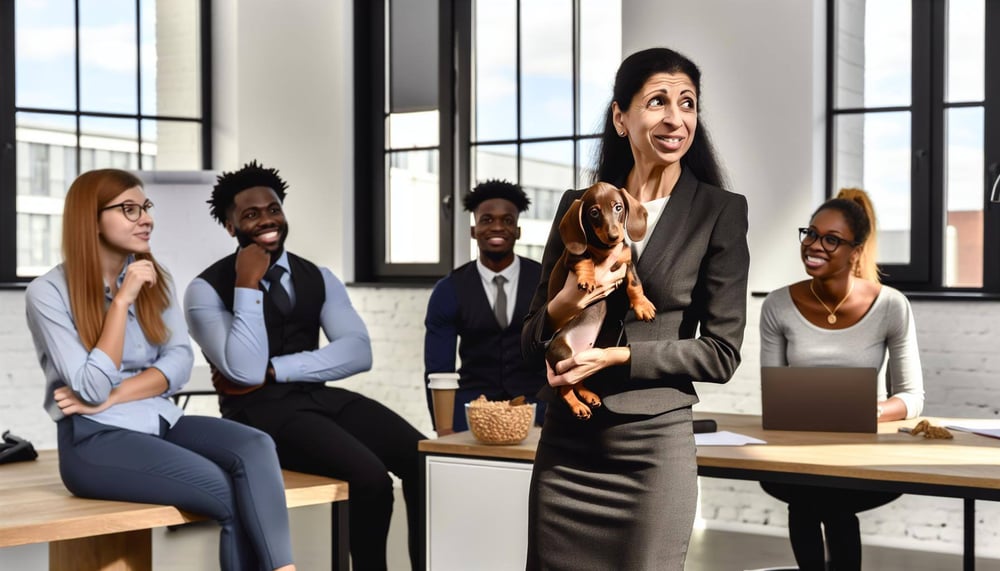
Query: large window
508, 89
407, 234
541, 74
88, 84
915, 120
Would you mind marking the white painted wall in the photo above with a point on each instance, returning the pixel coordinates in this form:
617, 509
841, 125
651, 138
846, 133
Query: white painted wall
283, 81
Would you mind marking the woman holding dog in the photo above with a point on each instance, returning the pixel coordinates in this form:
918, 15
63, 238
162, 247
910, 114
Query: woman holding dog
619, 491
843, 317
112, 343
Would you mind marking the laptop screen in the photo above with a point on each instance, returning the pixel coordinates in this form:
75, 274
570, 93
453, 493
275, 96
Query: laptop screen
827, 399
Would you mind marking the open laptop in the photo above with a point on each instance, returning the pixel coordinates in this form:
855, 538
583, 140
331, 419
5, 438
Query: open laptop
826, 399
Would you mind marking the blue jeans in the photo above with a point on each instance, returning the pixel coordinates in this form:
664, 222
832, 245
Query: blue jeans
210, 466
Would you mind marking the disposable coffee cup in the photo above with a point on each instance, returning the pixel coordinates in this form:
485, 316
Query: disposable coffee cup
443, 387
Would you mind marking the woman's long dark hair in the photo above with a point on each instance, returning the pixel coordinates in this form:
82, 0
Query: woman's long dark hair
615, 159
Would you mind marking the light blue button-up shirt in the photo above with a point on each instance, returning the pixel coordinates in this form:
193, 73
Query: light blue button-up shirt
92, 374
236, 342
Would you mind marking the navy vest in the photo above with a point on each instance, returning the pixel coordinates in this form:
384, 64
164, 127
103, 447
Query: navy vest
491, 357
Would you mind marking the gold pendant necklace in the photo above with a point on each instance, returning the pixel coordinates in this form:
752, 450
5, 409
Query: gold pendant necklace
832, 318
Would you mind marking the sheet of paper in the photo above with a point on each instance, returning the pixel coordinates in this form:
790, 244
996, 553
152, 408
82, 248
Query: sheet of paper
725, 438
989, 428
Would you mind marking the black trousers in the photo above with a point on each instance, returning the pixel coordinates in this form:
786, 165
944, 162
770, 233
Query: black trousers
210, 466
836, 509
341, 434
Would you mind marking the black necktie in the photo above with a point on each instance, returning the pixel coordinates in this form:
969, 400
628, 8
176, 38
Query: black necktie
277, 291
500, 307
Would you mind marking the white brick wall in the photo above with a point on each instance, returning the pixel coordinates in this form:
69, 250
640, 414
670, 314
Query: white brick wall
21, 380
957, 345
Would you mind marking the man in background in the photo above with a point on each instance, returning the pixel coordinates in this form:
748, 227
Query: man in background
481, 305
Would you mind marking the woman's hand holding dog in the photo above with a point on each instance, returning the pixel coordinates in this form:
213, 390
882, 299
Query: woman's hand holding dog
571, 299
586, 363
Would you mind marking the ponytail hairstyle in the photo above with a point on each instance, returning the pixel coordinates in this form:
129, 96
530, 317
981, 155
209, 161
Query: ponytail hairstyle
90, 192
856, 207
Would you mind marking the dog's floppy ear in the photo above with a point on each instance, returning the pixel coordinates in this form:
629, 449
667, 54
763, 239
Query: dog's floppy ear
635, 216
571, 229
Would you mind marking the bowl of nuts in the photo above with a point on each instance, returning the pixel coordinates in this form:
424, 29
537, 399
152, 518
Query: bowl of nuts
499, 422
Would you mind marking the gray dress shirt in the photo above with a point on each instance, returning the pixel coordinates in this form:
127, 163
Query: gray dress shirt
92, 374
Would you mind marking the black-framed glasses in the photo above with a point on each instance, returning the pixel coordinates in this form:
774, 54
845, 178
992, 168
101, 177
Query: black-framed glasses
132, 210
828, 242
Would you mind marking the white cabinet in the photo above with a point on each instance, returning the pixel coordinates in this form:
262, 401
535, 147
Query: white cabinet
477, 513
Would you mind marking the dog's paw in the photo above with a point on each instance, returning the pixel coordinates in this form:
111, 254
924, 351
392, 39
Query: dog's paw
581, 411
644, 310
589, 397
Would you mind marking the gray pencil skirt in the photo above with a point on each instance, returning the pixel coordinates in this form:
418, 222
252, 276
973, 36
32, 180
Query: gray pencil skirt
616, 492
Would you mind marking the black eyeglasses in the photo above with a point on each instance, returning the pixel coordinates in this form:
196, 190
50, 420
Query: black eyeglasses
132, 210
828, 242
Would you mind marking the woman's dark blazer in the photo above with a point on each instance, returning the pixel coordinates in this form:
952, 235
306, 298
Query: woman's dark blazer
694, 270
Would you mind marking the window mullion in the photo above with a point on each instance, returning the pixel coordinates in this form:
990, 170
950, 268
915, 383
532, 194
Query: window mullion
938, 203
926, 150
8, 182
457, 160
991, 150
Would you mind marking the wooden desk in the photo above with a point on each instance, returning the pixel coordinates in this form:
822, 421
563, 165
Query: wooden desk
966, 467
35, 507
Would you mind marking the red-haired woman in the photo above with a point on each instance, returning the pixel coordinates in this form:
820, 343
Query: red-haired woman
113, 346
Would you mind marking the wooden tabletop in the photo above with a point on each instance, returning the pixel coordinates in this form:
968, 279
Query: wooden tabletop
464, 444
35, 506
968, 460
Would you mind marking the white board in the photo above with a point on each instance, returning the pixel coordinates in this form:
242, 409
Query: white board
186, 239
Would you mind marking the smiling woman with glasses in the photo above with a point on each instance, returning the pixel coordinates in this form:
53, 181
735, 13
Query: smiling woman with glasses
132, 210
829, 242
841, 316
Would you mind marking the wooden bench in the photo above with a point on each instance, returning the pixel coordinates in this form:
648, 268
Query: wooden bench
85, 534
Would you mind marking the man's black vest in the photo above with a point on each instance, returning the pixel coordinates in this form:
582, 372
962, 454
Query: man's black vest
299, 331
490, 356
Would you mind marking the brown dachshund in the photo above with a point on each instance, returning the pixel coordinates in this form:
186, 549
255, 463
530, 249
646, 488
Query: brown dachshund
594, 229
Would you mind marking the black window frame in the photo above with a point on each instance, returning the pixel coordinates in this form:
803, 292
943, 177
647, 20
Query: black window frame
455, 29
467, 144
928, 210
370, 115
8, 111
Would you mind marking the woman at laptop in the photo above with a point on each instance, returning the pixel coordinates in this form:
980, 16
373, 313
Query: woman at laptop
841, 316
